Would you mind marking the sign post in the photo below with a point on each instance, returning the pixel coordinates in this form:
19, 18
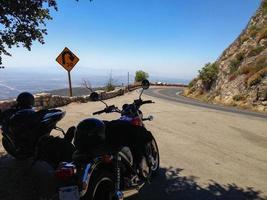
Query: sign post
68, 60
70, 87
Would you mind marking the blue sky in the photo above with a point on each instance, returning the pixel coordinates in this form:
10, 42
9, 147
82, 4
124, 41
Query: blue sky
171, 38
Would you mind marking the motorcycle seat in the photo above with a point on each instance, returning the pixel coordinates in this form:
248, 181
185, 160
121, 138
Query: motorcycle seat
81, 156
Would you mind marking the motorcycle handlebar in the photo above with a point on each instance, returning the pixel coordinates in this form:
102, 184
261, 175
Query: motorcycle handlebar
148, 101
108, 109
99, 112
140, 102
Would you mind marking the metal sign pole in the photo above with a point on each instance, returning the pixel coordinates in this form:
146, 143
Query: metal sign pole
70, 87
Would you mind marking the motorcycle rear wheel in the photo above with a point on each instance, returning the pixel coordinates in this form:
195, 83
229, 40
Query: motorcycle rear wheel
101, 187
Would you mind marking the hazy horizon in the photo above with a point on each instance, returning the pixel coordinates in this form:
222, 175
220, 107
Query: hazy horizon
14, 81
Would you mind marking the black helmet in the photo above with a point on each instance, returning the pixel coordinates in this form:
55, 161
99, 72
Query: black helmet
25, 100
90, 133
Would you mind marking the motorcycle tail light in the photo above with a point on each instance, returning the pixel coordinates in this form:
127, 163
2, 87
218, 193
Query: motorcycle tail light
65, 171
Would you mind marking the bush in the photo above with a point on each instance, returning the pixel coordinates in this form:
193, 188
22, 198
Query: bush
264, 7
262, 34
240, 56
192, 83
140, 76
235, 63
243, 38
256, 51
244, 70
252, 31
257, 77
259, 64
208, 74
239, 97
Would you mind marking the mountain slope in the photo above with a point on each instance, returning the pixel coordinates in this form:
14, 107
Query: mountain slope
239, 76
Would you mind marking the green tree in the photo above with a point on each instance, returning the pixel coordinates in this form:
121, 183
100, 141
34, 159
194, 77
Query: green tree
208, 74
140, 76
22, 22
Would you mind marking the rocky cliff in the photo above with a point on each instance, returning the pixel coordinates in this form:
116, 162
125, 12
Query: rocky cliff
239, 76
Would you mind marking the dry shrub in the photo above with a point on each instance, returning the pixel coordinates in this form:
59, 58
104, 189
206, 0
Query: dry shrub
232, 77
244, 69
252, 68
239, 97
253, 30
262, 34
243, 38
264, 7
257, 50
192, 83
257, 77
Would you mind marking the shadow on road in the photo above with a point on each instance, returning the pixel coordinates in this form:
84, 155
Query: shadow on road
170, 185
17, 183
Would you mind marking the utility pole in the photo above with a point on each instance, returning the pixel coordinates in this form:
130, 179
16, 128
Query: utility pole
128, 80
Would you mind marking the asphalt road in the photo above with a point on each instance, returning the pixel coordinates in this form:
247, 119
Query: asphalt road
173, 94
206, 153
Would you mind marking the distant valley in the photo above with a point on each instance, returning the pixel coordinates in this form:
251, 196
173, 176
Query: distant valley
13, 82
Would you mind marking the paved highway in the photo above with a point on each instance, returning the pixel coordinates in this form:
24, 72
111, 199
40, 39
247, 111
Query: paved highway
173, 94
206, 153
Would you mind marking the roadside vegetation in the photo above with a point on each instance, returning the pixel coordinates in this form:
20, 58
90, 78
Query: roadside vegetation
256, 51
110, 85
236, 62
192, 83
208, 74
257, 77
141, 75
239, 97
264, 7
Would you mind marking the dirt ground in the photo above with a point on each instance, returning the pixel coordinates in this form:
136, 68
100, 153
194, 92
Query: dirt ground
205, 154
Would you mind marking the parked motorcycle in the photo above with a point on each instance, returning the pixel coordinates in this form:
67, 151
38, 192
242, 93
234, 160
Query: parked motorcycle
104, 167
23, 129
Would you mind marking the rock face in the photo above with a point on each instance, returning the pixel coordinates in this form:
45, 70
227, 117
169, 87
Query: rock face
241, 76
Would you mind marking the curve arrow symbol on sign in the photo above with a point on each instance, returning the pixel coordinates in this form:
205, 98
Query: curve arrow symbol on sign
71, 56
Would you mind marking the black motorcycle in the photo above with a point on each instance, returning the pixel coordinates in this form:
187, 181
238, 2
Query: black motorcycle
113, 159
22, 130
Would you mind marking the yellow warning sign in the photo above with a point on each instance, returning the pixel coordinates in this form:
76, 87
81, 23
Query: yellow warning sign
67, 59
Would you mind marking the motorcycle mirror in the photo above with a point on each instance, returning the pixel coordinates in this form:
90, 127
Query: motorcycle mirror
145, 84
94, 96
150, 117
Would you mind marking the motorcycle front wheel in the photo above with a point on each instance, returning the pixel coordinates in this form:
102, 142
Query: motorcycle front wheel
101, 187
154, 157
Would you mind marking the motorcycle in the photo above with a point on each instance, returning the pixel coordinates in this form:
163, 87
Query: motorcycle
22, 130
109, 171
